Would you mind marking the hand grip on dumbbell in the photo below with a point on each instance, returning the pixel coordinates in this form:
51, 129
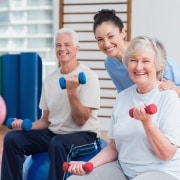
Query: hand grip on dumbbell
81, 78
26, 124
88, 167
150, 109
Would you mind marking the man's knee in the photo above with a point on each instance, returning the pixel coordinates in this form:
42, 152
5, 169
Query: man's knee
61, 142
10, 137
57, 142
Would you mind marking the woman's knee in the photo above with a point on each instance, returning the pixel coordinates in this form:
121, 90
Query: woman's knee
75, 177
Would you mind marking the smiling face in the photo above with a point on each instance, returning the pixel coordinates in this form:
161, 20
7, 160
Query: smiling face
65, 48
110, 40
142, 69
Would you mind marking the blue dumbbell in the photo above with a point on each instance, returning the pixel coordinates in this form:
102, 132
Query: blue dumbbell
81, 78
26, 124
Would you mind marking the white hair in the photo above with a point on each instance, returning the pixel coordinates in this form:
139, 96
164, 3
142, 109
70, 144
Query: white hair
68, 31
139, 43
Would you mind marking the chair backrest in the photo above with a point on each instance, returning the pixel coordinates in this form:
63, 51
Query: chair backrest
20, 84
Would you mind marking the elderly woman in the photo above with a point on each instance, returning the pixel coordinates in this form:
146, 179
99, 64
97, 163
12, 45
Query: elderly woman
145, 141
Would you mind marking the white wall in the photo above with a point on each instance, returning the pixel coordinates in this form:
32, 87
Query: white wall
160, 19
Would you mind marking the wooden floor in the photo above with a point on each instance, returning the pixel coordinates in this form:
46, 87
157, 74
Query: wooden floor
3, 131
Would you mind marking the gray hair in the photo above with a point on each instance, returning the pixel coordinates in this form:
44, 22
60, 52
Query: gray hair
139, 43
67, 31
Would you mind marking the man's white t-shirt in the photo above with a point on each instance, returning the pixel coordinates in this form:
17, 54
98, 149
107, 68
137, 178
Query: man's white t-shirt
55, 100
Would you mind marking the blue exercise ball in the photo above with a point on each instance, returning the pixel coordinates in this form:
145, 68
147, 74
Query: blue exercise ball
36, 167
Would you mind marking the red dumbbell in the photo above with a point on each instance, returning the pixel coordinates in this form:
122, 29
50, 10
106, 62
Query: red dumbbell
150, 109
88, 167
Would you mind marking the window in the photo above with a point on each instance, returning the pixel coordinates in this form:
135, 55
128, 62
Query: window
28, 26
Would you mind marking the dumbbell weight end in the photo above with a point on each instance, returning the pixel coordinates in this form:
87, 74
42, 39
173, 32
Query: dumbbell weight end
82, 78
8, 122
27, 124
62, 83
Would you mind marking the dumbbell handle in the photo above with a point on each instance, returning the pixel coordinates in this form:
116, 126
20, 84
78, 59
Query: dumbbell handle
26, 124
81, 78
88, 167
150, 109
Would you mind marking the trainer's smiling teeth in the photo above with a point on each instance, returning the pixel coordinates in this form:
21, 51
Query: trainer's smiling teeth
109, 49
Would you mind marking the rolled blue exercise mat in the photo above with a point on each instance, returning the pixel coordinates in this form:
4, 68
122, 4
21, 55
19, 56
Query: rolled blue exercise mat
10, 84
40, 75
30, 85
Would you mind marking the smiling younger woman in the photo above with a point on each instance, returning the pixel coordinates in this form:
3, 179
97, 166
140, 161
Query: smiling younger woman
111, 35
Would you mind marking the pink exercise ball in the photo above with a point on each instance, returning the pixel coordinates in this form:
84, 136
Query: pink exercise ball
2, 110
